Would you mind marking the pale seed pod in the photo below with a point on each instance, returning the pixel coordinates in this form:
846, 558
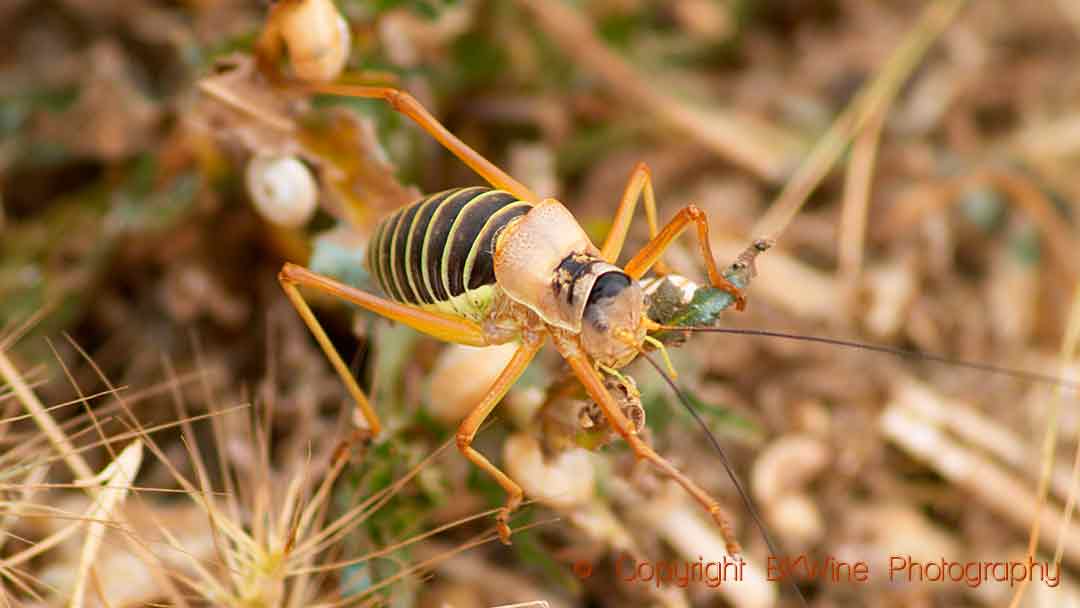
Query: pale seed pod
317, 37
564, 481
779, 480
461, 377
282, 188
787, 466
796, 517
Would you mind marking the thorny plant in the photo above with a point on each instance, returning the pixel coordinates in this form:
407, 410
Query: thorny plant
269, 536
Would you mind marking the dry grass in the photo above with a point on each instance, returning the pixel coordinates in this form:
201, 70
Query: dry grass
269, 537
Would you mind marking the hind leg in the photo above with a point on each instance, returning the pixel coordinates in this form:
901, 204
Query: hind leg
443, 327
406, 104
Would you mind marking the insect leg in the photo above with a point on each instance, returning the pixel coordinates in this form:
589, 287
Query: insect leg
637, 187
406, 104
594, 386
443, 327
651, 252
468, 428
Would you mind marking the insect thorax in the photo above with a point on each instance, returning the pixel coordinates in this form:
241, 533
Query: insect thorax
538, 263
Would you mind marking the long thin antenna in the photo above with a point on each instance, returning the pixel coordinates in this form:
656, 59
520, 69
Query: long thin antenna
727, 467
889, 350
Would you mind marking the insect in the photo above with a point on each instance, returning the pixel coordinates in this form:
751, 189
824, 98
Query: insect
484, 266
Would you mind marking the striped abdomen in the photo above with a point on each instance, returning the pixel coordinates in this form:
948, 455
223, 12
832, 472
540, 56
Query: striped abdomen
437, 252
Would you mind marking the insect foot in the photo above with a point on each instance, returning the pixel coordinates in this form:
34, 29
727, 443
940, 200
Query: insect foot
723, 520
502, 520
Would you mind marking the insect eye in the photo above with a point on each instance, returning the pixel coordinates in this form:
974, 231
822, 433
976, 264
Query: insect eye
608, 285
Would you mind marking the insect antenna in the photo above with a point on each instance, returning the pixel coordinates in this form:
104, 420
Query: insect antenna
747, 501
1018, 374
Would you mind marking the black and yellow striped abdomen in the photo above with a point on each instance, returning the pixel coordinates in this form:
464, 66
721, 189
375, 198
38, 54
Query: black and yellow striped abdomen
436, 253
